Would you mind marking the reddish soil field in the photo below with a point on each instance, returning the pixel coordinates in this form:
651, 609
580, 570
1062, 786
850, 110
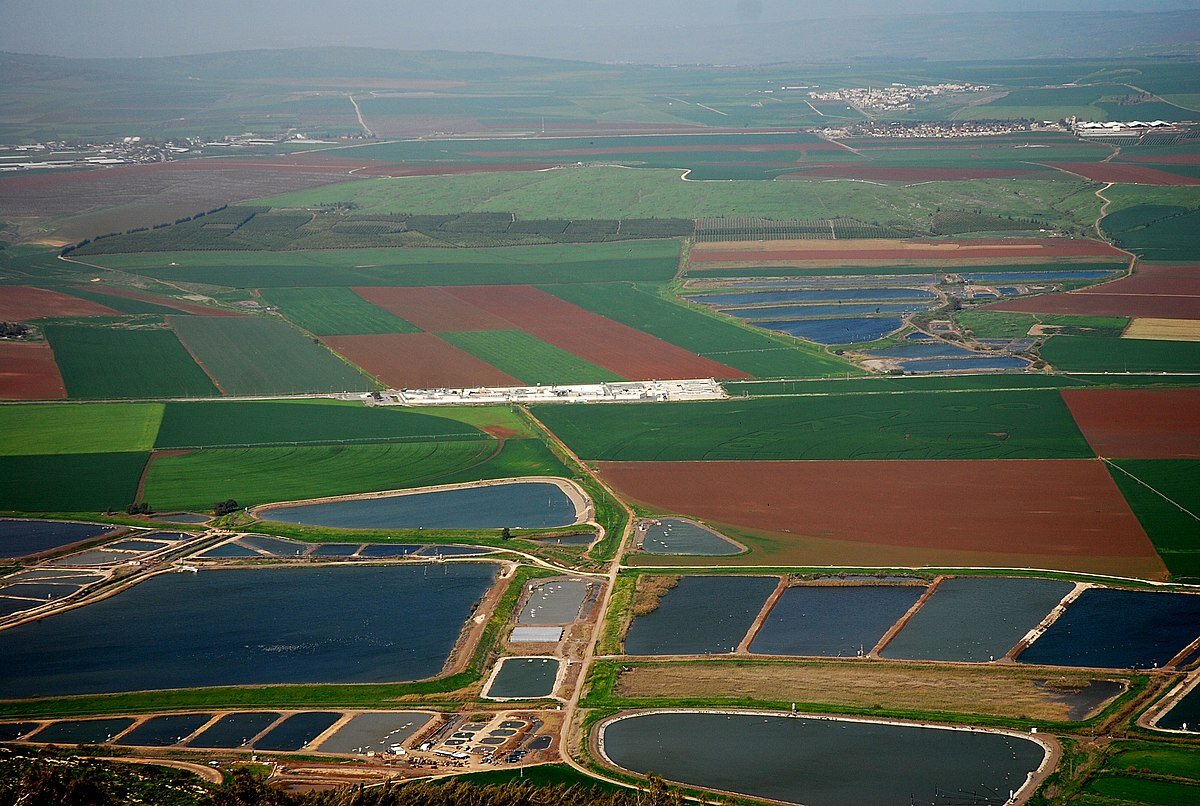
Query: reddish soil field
157, 299
1127, 174
432, 309
627, 352
1138, 423
775, 251
418, 361
901, 174
28, 372
1161, 292
20, 303
1165, 159
1060, 514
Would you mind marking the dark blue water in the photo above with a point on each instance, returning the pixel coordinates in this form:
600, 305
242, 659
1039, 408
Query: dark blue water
44, 591
823, 762
375, 731
856, 281
277, 546
1185, 715
674, 536
832, 620
702, 615
822, 311
976, 619
320, 624
164, 731
928, 349
452, 551
389, 550
964, 364
524, 678
234, 730
837, 331
135, 545
296, 731
82, 731
23, 538
10, 606
93, 557
1032, 276
530, 505
335, 550
1119, 629
813, 295
230, 550
11, 731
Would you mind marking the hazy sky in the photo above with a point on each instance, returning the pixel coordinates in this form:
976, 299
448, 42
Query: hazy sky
169, 27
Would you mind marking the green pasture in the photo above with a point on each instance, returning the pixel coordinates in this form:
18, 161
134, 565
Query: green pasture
70, 482
256, 356
961, 425
252, 423
1177, 761
1174, 532
122, 304
112, 364
334, 311
1099, 354
528, 358
1156, 231
1145, 791
508, 265
60, 428
261, 475
737, 346
916, 267
990, 324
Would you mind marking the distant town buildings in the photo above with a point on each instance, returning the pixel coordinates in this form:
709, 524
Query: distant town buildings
895, 97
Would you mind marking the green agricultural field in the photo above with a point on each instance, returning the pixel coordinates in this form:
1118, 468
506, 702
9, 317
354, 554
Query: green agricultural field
256, 356
1099, 354
962, 425
509, 265
111, 364
1157, 232
1144, 791
988, 324
1174, 532
130, 306
737, 346
528, 358
262, 475
518, 457
335, 312
57, 428
598, 192
950, 383
1180, 762
915, 267
70, 482
315, 422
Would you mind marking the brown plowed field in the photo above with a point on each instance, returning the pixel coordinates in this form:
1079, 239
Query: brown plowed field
1138, 423
1064, 514
881, 249
28, 372
21, 303
432, 309
1162, 292
418, 361
868, 173
627, 352
158, 299
1125, 174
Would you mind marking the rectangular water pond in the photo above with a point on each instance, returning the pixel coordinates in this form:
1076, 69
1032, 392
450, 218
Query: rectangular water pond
755, 315
677, 536
1119, 629
375, 732
702, 615
833, 619
527, 504
82, 731
1185, 714
320, 624
554, 602
976, 619
837, 331
24, 538
811, 295
524, 678
164, 731
296, 731
235, 730
823, 761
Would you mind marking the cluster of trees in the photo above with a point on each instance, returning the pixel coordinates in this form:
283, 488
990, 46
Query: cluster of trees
226, 507
13, 330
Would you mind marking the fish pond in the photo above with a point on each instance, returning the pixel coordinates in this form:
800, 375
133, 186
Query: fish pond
839, 330
19, 538
754, 315
976, 619
1185, 714
702, 615
375, 732
554, 602
812, 295
524, 678
1119, 629
833, 620
234, 730
822, 761
315, 624
677, 536
525, 504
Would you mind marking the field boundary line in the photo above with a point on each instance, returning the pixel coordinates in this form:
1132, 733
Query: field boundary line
1160, 494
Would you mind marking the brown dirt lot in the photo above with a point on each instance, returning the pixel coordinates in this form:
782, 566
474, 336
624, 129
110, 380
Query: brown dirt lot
627, 352
1004, 692
1138, 423
21, 303
418, 361
433, 309
1064, 514
28, 372
1165, 292
1125, 174
882, 249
